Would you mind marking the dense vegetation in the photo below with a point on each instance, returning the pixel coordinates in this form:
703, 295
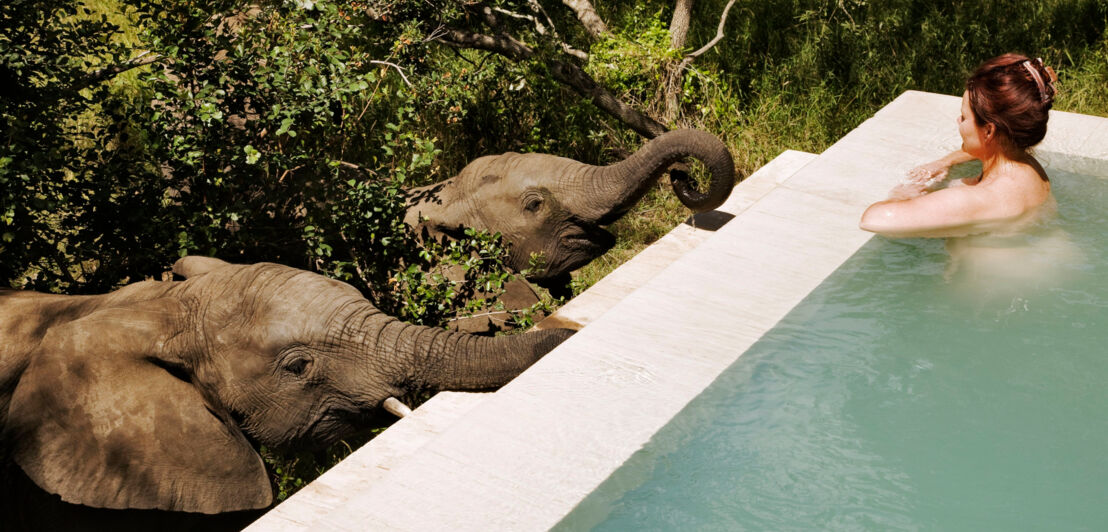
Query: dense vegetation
136, 131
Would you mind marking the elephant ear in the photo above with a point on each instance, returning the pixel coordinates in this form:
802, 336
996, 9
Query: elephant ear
196, 265
105, 416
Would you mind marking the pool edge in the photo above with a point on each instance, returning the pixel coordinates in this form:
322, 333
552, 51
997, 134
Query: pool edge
505, 462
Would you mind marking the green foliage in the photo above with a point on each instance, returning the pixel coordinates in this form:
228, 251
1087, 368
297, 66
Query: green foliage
290, 471
252, 120
453, 276
56, 177
237, 144
479, 104
799, 74
631, 64
287, 133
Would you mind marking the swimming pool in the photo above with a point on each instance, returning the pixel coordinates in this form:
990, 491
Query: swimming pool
899, 395
528, 455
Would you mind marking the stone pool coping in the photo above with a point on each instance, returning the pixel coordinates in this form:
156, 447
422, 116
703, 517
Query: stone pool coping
524, 457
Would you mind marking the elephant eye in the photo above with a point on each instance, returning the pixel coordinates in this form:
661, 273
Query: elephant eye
298, 364
533, 203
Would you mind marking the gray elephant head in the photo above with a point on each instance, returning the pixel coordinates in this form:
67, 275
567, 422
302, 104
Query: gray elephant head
150, 397
556, 207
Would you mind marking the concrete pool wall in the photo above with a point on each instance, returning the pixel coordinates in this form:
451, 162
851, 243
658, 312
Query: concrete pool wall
525, 456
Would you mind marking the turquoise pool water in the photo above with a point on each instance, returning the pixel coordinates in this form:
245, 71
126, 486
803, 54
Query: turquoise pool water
901, 395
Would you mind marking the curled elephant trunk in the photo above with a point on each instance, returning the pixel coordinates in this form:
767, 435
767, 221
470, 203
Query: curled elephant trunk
614, 189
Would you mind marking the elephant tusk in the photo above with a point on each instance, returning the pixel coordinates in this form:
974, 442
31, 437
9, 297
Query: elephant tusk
395, 407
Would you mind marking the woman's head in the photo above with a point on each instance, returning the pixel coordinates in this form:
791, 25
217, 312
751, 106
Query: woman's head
1010, 97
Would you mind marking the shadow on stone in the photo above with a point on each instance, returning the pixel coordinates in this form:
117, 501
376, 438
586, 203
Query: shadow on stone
709, 221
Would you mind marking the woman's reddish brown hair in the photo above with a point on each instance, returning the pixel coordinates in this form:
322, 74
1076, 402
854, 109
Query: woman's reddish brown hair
1004, 91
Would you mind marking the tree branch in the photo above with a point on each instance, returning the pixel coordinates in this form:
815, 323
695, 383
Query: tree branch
566, 73
97, 76
537, 7
538, 25
588, 17
719, 32
673, 78
489, 13
501, 44
581, 82
396, 66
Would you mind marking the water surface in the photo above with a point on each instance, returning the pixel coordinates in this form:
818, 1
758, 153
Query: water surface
900, 396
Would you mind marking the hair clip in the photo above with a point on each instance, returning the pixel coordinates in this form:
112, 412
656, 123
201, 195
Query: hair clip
1043, 96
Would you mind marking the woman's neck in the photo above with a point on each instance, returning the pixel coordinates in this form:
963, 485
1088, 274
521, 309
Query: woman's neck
1000, 159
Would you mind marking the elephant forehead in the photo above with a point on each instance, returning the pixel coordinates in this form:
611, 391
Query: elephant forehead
518, 170
282, 326
548, 170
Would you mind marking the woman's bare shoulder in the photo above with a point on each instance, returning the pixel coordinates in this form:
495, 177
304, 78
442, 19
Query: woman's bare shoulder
1021, 186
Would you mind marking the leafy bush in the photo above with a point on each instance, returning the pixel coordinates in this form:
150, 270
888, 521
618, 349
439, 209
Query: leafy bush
59, 174
290, 132
236, 144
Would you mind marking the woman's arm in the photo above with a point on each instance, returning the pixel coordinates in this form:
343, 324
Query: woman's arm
913, 210
937, 171
957, 211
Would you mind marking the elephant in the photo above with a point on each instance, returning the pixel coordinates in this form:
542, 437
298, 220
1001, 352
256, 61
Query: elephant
152, 396
555, 208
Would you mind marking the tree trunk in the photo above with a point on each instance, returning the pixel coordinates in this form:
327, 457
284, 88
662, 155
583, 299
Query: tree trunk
674, 78
679, 26
588, 17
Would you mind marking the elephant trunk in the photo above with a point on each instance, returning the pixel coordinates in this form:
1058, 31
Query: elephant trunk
432, 358
612, 190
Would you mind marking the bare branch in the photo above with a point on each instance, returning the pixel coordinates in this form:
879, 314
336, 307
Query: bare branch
397, 67
537, 8
566, 73
435, 34
673, 78
538, 25
579, 54
540, 28
588, 17
719, 32
581, 82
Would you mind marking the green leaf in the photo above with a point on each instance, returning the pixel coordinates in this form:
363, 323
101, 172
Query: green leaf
252, 155
285, 125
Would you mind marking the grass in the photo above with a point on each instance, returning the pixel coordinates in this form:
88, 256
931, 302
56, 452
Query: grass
794, 75
799, 75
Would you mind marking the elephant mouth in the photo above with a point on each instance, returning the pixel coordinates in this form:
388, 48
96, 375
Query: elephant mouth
595, 240
330, 426
578, 247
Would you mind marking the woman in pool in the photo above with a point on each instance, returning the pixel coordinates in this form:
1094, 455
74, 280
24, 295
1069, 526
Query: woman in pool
1004, 113
998, 225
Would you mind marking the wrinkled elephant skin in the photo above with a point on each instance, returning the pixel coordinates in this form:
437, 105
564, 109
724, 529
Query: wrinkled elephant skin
555, 208
151, 396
